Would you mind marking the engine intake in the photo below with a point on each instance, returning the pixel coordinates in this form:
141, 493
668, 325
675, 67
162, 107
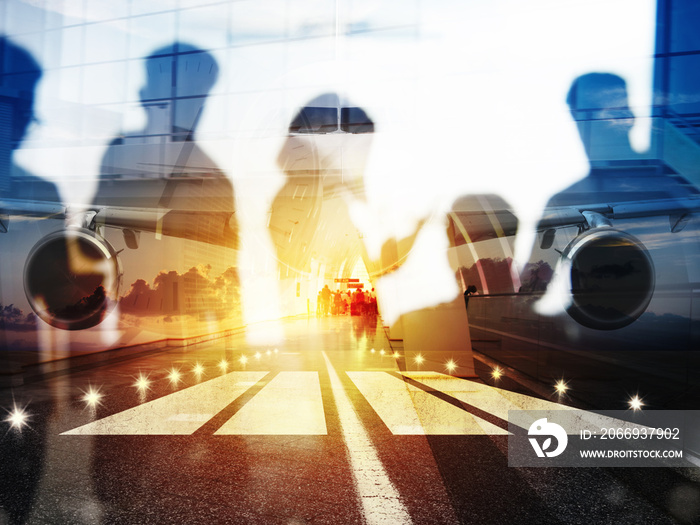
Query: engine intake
72, 279
611, 276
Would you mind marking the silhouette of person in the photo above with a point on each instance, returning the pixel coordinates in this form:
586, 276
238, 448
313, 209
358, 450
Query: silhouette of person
162, 167
20, 75
326, 299
309, 217
485, 223
179, 78
21, 454
314, 214
599, 105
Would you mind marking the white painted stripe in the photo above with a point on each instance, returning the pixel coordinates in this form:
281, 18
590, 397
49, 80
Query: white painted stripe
406, 409
498, 402
290, 404
690, 457
180, 413
381, 502
493, 400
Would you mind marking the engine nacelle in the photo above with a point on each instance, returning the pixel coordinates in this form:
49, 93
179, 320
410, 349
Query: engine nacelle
611, 278
72, 279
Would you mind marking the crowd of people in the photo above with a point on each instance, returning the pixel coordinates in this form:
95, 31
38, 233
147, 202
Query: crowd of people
342, 302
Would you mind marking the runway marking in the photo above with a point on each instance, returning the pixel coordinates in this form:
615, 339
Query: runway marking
493, 400
381, 502
292, 404
498, 402
289, 404
408, 410
180, 413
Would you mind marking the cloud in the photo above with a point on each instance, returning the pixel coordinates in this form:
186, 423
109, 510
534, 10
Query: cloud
14, 319
194, 293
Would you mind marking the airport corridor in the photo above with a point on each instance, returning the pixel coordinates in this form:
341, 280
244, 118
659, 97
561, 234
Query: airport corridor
327, 427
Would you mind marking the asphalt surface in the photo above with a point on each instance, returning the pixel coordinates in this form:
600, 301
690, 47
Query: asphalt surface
300, 432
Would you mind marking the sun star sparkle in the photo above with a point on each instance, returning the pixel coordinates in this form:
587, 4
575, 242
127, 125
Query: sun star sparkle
198, 370
174, 376
419, 359
92, 397
636, 403
17, 418
142, 383
451, 366
561, 387
496, 373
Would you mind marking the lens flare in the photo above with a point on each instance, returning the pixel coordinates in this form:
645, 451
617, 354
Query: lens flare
636, 403
198, 370
561, 387
18, 418
142, 383
223, 365
243, 359
92, 397
419, 359
175, 376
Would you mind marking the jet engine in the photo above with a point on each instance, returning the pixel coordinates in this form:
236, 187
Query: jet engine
72, 278
611, 276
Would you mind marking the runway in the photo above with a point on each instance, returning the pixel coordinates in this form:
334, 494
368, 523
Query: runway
326, 427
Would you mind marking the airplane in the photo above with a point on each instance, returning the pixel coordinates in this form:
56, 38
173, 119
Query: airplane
606, 303
156, 180
620, 286
73, 275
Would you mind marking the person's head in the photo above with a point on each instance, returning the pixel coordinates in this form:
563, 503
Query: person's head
180, 75
19, 75
599, 104
599, 96
308, 148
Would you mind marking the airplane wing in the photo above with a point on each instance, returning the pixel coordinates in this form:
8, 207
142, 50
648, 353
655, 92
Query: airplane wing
561, 216
208, 226
482, 217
